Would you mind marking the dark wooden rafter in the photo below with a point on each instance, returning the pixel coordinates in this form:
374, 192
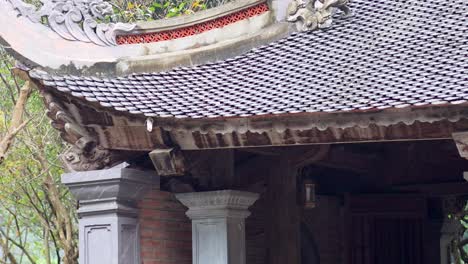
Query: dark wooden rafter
267, 151
340, 157
299, 155
327, 156
304, 156
436, 190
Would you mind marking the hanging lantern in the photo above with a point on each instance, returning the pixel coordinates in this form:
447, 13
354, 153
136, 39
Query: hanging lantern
309, 194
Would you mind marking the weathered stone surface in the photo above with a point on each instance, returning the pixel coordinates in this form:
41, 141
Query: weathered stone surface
37, 45
279, 8
108, 223
75, 20
119, 184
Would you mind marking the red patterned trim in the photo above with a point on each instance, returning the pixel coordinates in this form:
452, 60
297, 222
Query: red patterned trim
195, 29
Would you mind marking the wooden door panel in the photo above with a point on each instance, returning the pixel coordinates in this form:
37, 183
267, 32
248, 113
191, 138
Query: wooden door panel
385, 229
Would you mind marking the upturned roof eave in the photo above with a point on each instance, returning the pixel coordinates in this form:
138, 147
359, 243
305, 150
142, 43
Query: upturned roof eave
301, 121
123, 131
38, 47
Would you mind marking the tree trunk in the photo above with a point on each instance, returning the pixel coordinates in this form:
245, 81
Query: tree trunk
16, 121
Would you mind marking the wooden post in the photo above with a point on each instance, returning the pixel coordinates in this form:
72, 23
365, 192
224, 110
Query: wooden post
283, 226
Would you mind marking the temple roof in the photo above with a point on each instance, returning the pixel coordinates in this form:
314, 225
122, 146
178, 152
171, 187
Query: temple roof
390, 54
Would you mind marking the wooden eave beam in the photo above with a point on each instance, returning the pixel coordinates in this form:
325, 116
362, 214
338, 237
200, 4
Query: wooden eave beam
188, 139
339, 158
120, 131
438, 189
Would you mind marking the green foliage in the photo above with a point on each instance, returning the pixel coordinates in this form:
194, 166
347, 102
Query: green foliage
131, 11
462, 241
29, 228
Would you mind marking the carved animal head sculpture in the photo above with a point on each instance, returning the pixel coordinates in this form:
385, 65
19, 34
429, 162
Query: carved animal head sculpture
312, 15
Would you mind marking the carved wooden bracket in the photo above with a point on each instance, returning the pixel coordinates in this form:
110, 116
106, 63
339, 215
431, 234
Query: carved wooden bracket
461, 140
168, 162
85, 153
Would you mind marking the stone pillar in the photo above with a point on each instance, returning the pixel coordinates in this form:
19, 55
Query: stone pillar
108, 216
218, 225
448, 232
450, 227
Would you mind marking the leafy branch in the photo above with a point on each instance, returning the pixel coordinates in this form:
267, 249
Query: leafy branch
132, 11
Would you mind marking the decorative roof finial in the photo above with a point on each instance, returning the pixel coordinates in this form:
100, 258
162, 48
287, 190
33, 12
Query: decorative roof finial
316, 13
76, 20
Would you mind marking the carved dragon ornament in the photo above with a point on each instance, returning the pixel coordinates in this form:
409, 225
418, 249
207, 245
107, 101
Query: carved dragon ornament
75, 20
85, 153
316, 14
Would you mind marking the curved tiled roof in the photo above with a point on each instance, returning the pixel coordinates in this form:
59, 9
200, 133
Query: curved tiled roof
390, 54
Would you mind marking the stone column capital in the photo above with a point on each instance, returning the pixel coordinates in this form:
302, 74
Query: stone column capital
218, 225
122, 183
108, 224
113, 190
218, 204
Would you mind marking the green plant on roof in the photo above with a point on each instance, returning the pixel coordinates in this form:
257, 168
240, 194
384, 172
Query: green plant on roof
141, 10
